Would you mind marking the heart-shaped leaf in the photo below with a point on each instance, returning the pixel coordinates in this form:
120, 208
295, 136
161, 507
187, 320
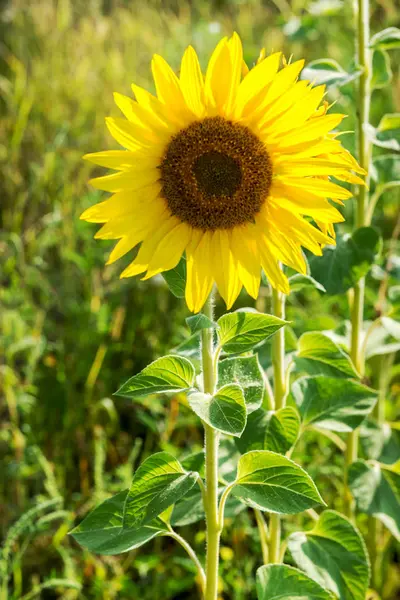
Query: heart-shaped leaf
281, 582
166, 374
269, 481
319, 354
240, 331
101, 531
225, 411
176, 278
159, 482
333, 554
246, 372
270, 430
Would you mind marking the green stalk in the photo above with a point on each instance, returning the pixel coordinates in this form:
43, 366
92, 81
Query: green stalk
357, 310
278, 361
211, 463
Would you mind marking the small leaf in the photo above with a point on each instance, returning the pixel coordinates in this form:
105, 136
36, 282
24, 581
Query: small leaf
189, 509
331, 403
342, 266
198, 322
376, 489
319, 354
281, 582
389, 121
387, 38
392, 327
382, 139
159, 482
386, 170
299, 282
101, 531
382, 73
225, 411
333, 554
269, 481
166, 374
269, 430
176, 278
246, 372
326, 71
240, 331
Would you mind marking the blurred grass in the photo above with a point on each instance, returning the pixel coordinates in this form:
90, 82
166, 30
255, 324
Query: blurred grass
71, 331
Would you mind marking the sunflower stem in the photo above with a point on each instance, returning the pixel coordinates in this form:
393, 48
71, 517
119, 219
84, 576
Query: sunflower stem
278, 362
211, 463
364, 149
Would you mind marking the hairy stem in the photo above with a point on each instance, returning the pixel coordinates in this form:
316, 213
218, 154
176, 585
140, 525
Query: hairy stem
211, 463
364, 148
278, 361
193, 556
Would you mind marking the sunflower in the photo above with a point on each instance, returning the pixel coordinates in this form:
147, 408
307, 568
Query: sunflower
231, 168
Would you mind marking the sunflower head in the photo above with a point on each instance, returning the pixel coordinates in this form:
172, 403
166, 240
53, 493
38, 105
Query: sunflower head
232, 168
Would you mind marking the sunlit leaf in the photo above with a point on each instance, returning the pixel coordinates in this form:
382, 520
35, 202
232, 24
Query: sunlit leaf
318, 354
240, 331
224, 411
246, 372
270, 430
281, 582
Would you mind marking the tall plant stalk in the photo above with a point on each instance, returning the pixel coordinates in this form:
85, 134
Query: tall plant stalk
211, 463
278, 362
364, 151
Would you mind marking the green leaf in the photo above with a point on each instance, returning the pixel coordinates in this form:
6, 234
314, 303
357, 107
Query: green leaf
159, 482
319, 354
101, 531
198, 322
382, 73
189, 509
386, 170
380, 442
389, 121
392, 327
333, 554
299, 282
342, 266
327, 71
380, 342
166, 374
246, 372
331, 403
240, 331
269, 481
376, 489
269, 430
176, 278
387, 38
281, 582
225, 411
382, 139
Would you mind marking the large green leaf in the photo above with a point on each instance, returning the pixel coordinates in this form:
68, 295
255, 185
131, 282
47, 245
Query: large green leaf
189, 509
331, 403
240, 331
382, 73
198, 322
299, 282
270, 430
246, 372
176, 278
380, 442
318, 354
166, 374
224, 411
269, 481
333, 554
342, 266
102, 532
159, 482
281, 582
376, 488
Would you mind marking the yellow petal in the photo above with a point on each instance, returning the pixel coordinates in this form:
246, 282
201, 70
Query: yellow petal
141, 116
199, 279
245, 251
236, 54
126, 180
192, 83
149, 246
318, 208
319, 187
122, 160
136, 220
218, 78
132, 136
271, 267
153, 104
224, 267
168, 87
255, 81
311, 130
298, 113
121, 203
170, 249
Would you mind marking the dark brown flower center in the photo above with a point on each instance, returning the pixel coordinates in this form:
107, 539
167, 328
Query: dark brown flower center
215, 174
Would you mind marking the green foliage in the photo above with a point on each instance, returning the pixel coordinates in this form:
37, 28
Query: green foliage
269, 481
225, 411
102, 531
176, 279
198, 322
387, 38
330, 403
280, 582
166, 374
246, 372
333, 553
157, 484
319, 354
341, 266
240, 331
270, 430
376, 489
